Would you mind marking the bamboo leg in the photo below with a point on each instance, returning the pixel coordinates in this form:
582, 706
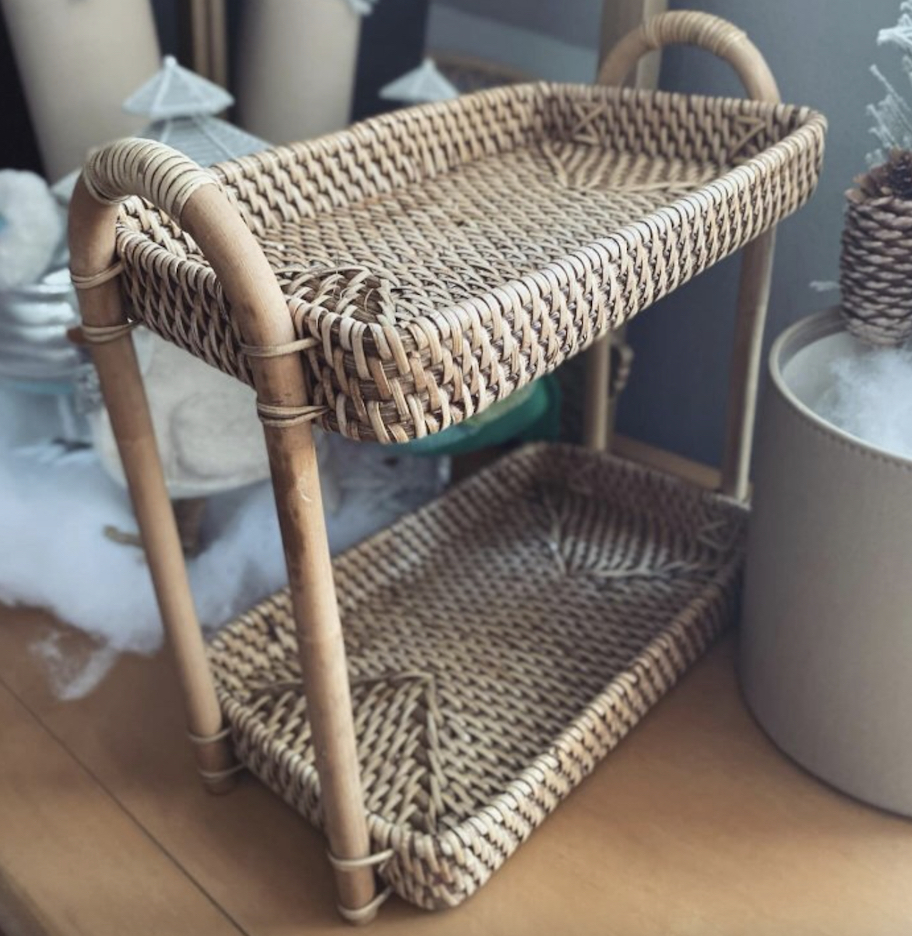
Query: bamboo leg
260, 310
125, 398
753, 300
322, 652
94, 272
597, 405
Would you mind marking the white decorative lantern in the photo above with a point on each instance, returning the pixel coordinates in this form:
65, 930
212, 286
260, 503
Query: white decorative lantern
421, 84
183, 106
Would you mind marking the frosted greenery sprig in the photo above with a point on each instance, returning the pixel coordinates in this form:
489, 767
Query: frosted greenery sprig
892, 115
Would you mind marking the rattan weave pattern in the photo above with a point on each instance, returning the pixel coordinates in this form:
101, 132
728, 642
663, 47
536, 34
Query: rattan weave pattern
500, 642
445, 255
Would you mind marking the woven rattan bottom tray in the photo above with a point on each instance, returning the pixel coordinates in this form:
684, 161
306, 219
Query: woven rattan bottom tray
500, 642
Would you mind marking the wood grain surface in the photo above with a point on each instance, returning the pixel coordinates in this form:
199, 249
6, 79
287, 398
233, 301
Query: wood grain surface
695, 826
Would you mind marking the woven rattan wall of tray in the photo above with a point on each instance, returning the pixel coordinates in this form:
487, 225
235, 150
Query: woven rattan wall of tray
441, 257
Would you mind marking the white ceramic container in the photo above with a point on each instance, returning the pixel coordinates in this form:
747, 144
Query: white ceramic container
826, 644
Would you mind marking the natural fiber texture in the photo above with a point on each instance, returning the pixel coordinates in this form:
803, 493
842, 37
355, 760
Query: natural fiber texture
96, 279
445, 255
165, 177
692, 27
875, 268
500, 642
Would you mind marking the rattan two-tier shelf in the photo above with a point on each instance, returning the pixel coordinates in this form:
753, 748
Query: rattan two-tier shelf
430, 698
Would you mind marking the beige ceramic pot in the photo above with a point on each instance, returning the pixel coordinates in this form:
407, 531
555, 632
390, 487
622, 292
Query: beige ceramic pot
296, 71
77, 62
826, 644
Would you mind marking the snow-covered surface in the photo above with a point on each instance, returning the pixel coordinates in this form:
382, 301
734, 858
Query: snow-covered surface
57, 510
861, 390
869, 395
30, 227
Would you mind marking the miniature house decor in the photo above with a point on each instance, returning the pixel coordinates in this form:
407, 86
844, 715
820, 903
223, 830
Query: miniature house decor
182, 107
430, 697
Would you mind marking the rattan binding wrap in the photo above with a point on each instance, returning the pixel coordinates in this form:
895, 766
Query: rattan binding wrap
875, 268
446, 255
500, 642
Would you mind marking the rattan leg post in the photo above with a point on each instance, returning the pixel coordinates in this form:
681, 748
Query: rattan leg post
753, 299
599, 410
729, 43
273, 351
596, 414
190, 195
296, 484
125, 398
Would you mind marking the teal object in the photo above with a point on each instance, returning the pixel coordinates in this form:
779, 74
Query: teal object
528, 415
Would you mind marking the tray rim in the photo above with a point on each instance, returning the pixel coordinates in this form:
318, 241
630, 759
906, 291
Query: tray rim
604, 251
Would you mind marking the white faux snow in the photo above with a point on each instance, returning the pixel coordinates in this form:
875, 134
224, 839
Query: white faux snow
871, 398
31, 226
54, 508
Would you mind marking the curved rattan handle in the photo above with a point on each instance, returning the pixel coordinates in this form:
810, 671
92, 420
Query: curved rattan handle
193, 197
687, 27
158, 173
720, 37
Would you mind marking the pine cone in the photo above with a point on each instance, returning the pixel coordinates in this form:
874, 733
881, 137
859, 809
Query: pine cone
894, 177
875, 268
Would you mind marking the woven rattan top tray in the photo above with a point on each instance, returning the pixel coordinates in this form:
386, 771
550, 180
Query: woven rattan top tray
442, 256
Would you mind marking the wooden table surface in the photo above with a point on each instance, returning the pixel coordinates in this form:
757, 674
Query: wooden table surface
695, 825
